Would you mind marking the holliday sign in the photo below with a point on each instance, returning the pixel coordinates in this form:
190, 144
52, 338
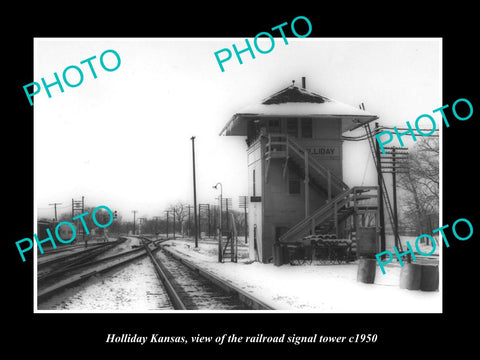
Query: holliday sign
324, 151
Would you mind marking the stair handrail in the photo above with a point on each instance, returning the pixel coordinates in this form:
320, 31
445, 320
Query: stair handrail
232, 240
338, 200
294, 145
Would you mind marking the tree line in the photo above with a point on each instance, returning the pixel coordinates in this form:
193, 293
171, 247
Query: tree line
419, 203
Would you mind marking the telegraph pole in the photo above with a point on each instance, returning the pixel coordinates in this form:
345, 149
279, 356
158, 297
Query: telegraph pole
156, 232
394, 161
242, 202
141, 221
194, 193
173, 224
134, 212
55, 206
167, 211
380, 194
220, 224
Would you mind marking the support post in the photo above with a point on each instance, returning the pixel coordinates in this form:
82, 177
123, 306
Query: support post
329, 187
173, 224
194, 193
209, 233
380, 194
394, 184
219, 233
335, 218
167, 222
307, 187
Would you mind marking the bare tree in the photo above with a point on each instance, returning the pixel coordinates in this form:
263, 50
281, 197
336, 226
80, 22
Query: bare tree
420, 187
181, 212
239, 217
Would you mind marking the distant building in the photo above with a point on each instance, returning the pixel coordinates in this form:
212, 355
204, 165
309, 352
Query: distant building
295, 156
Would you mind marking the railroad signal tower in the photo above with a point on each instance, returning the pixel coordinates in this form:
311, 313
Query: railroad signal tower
295, 168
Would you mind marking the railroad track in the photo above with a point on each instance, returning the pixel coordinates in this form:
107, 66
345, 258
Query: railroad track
61, 249
65, 261
197, 289
76, 270
182, 286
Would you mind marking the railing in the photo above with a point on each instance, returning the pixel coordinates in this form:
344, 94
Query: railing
279, 145
323, 213
315, 164
231, 242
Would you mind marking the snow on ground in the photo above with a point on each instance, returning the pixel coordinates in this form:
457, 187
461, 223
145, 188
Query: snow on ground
313, 288
134, 288
422, 246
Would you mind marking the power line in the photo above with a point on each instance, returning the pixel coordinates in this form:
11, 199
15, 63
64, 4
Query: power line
55, 206
376, 131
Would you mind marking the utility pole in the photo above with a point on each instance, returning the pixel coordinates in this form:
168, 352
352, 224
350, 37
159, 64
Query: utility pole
220, 201
220, 224
380, 194
141, 221
173, 224
55, 206
134, 212
228, 201
156, 232
394, 161
242, 202
194, 193
204, 209
167, 211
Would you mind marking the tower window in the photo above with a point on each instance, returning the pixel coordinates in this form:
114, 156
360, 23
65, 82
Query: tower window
274, 126
307, 128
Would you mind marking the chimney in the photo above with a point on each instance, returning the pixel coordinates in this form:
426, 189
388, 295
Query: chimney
303, 82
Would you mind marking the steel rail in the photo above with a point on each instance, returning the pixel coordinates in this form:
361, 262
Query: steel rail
80, 255
247, 299
162, 275
54, 289
63, 271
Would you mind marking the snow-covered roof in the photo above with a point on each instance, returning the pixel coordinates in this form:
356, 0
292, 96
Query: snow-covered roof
298, 102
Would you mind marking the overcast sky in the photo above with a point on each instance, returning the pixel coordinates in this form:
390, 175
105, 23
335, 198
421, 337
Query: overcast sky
123, 139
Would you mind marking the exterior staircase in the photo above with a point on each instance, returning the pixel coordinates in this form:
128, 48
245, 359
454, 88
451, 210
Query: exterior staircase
342, 201
328, 217
229, 249
298, 158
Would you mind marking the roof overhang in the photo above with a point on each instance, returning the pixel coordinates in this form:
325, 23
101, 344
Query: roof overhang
237, 125
298, 102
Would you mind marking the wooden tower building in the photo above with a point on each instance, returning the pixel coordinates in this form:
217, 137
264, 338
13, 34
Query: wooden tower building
295, 179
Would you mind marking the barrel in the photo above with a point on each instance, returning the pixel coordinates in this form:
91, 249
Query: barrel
410, 276
429, 281
366, 270
277, 254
